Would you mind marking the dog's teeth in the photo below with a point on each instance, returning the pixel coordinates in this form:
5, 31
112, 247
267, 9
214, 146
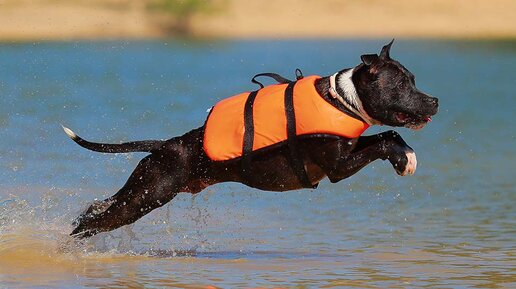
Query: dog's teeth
69, 132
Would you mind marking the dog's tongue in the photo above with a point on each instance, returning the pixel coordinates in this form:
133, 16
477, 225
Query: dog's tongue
428, 119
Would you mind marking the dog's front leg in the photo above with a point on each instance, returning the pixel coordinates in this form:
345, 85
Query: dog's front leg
399, 153
385, 146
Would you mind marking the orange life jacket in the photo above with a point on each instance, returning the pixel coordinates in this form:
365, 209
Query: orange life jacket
225, 129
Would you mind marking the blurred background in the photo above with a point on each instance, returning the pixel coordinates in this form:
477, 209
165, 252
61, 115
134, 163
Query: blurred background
120, 70
135, 19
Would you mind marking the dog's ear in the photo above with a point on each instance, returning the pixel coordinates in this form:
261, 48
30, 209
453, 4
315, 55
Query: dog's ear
369, 59
386, 50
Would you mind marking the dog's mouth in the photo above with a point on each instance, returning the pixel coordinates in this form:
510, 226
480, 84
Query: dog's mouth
412, 121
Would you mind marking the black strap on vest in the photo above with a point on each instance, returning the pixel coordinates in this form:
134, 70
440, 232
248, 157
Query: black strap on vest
247, 149
295, 158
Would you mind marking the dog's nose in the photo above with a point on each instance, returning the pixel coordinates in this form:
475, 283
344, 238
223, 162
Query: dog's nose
433, 103
433, 100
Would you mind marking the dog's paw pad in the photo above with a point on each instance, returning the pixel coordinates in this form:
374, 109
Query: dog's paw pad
411, 166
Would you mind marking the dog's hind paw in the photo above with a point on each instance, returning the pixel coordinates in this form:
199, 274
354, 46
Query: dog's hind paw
96, 208
81, 233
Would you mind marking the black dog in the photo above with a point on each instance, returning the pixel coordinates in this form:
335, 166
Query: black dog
377, 91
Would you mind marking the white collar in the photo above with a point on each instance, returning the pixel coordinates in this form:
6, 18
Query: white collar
352, 102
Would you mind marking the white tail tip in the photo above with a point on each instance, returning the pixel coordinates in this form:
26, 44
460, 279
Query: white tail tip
69, 132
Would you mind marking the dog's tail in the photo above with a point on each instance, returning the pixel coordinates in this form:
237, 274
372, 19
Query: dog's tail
135, 146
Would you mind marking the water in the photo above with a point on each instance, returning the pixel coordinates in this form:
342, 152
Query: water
449, 226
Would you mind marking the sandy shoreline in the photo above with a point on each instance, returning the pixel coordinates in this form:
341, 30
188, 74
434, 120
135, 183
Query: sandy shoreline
127, 19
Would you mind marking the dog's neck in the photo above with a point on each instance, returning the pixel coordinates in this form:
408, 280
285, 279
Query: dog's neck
340, 91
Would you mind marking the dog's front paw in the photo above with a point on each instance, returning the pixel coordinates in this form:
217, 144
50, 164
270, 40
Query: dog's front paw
405, 163
411, 166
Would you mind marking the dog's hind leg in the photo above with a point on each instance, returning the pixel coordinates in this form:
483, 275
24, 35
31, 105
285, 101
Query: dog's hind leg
156, 180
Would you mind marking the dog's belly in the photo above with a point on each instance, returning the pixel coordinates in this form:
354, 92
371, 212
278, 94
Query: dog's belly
269, 171
281, 177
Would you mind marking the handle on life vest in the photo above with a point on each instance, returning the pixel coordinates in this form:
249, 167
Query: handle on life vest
280, 79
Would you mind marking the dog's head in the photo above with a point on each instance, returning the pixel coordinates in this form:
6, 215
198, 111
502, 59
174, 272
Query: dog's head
388, 92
